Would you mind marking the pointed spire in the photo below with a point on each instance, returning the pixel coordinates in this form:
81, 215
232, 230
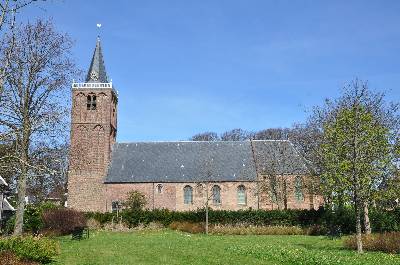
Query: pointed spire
97, 70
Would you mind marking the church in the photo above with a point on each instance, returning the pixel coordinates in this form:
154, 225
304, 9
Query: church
176, 175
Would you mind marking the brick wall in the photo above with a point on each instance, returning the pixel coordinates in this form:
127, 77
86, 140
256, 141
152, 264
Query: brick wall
286, 191
93, 133
228, 196
172, 196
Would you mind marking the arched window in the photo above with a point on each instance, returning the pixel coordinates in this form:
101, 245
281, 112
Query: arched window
241, 195
298, 189
159, 188
216, 194
91, 102
188, 195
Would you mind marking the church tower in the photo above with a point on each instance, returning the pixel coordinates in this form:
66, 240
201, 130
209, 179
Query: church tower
93, 132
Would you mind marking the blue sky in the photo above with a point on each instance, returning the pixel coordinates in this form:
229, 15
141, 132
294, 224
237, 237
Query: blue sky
183, 67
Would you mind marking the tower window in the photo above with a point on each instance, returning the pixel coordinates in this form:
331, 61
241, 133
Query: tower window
91, 102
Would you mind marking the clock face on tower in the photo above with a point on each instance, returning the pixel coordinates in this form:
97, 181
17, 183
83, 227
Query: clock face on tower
94, 76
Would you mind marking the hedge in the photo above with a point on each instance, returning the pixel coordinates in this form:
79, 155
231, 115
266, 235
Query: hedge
381, 220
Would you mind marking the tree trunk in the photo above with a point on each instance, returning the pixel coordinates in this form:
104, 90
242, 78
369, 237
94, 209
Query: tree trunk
367, 224
24, 162
285, 198
1, 211
207, 208
21, 189
358, 228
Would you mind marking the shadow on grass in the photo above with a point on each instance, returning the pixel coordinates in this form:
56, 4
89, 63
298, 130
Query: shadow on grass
327, 244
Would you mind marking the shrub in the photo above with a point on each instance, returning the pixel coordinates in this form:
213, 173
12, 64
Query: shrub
385, 221
63, 221
341, 221
93, 224
135, 201
30, 248
102, 218
118, 227
33, 221
316, 230
194, 228
256, 230
386, 242
9, 258
32, 218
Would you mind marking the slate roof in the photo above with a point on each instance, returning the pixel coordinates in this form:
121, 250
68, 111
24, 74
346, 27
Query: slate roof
190, 161
97, 66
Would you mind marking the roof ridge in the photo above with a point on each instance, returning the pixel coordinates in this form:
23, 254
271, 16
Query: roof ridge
191, 141
270, 140
183, 141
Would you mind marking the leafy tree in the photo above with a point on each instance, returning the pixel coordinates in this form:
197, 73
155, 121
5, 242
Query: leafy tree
308, 137
135, 201
355, 154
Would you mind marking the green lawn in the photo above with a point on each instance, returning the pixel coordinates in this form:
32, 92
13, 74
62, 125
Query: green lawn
170, 247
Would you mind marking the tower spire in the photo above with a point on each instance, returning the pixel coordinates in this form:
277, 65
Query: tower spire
97, 70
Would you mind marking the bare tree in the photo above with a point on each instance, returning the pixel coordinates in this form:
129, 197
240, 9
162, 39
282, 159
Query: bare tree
8, 14
306, 139
272, 134
280, 176
53, 179
34, 103
236, 135
208, 171
205, 136
241, 135
273, 186
8, 10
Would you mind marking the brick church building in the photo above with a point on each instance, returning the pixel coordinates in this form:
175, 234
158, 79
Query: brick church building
178, 175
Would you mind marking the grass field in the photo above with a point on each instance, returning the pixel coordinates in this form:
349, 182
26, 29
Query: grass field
170, 247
